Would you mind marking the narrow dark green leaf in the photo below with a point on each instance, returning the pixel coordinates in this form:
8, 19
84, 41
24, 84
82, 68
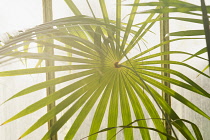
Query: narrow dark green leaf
206, 26
170, 10
176, 18
132, 127
188, 33
176, 3
204, 50
195, 129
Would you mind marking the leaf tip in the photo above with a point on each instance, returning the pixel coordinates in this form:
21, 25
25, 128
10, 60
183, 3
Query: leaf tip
5, 101
2, 103
3, 124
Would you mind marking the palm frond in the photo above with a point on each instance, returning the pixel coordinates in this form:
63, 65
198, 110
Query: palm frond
92, 49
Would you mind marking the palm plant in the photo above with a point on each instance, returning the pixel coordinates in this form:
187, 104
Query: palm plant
103, 76
189, 9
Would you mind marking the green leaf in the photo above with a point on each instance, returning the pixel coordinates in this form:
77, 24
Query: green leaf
113, 109
58, 108
129, 25
165, 3
204, 50
88, 106
136, 127
173, 62
137, 109
176, 18
141, 32
170, 10
188, 33
101, 108
180, 75
206, 26
148, 104
50, 83
175, 95
179, 83
73, 7
125, 110
195, 129
94, 48
49, 99
44, 70
158, 45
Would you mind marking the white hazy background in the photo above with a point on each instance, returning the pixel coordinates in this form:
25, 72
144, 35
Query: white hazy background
17, 15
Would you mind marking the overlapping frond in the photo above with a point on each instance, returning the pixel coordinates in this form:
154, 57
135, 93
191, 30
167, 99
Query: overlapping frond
98, 79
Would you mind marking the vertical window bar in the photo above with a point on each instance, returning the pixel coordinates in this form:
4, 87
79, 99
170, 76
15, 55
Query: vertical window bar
164, 30
48, 16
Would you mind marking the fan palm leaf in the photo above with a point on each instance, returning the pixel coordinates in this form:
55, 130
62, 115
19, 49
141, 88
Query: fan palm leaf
186, 8
99, 80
